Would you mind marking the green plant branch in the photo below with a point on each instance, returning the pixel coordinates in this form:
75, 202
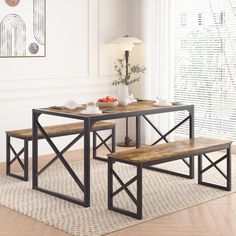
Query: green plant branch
134, 73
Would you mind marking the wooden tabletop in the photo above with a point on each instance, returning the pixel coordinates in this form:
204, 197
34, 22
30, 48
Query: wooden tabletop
144, 107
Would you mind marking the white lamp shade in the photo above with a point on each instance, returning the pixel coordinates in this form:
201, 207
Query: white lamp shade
127, 46
127, 42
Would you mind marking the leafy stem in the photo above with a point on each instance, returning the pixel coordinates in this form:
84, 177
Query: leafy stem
134, 73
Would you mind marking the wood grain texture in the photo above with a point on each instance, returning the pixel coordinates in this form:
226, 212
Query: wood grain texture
146, 105
168, 150
60, 130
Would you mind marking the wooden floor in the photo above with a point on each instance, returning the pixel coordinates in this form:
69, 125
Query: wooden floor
214, 218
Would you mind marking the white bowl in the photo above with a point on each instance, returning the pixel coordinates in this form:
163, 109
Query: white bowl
107, 104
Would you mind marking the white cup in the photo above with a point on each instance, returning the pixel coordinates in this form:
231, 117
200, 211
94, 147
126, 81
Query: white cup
124, 102
92, 108
95, 109
162, 101
71, 104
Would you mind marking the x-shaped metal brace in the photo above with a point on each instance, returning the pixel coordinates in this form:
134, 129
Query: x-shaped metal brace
164, 137
17, 156
214, 164
124, 187
59, 155
103, 142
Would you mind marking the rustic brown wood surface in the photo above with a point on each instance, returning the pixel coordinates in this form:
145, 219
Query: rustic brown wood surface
146, 105
63, 129
167, 150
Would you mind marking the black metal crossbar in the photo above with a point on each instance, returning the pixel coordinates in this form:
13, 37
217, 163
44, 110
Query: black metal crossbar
214, 164
186, 162
124, 186
189, 164
60, 156
24, 165
17, 156
155, 128
171, 131
103, 142
62, 152
226, 175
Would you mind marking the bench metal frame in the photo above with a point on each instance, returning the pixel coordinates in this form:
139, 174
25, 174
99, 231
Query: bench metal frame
103, 142
24, 151
227, 176
138, 178
17, 155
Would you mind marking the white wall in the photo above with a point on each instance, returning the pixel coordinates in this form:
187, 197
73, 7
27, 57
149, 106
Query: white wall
78, 64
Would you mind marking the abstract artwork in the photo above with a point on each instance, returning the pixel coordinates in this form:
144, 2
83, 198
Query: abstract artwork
22, 28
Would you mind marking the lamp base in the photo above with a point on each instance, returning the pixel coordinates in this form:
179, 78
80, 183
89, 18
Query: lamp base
127, 143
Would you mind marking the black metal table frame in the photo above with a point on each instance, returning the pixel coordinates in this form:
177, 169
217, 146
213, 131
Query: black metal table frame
89, 121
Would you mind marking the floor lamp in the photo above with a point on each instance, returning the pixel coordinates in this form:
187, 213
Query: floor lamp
127, 43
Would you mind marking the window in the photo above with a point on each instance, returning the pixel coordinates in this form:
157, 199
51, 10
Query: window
199, 19
183, 19
204, 64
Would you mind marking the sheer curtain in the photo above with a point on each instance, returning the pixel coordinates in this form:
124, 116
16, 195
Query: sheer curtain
191, 58
204, 63
156, 33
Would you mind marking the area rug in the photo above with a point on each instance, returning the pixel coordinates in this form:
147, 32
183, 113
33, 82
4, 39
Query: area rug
162, 194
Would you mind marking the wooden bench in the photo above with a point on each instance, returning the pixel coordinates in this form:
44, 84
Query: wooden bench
148, 156
54, 131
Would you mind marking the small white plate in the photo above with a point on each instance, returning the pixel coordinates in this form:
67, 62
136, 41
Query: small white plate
177, 103
86, 112
132, 100
162, 104
72, 105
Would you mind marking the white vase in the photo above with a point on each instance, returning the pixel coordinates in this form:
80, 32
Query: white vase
123, 95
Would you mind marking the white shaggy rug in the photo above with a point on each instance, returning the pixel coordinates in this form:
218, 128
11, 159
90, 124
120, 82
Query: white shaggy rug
162, 194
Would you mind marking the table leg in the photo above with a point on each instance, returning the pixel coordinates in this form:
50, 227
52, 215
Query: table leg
87, 129
191, 135
59, 155
138, 131
35, 150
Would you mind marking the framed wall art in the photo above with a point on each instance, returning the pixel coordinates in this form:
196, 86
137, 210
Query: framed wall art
22, 28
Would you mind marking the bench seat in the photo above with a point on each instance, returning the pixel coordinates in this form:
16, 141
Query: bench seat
59, 130
145, 157
170, 151
55, 131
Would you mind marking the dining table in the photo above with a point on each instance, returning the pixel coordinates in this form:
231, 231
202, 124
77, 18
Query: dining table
139, 110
